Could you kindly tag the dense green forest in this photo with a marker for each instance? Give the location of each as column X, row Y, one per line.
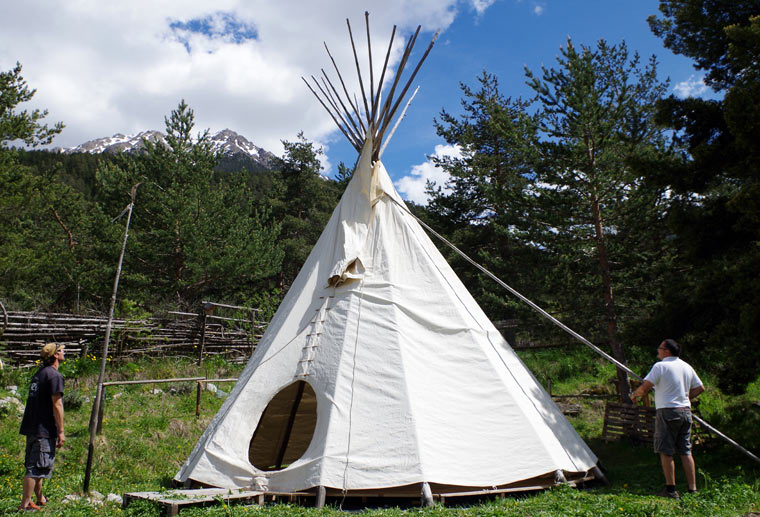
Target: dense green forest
column 630, row 214
column 199, row 231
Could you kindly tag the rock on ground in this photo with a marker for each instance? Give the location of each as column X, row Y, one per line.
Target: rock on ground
column 8, row 403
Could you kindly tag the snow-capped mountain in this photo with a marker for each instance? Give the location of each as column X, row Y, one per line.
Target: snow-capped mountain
column 231, row 144
column 117, row 143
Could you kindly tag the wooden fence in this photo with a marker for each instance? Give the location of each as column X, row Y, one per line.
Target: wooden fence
column 178, row 333
column 196, row 335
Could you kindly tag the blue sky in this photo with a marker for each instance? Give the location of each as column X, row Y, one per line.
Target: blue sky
column 120, row 67
column 508, row 37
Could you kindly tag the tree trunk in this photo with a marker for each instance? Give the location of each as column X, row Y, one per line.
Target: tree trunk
column 609, row 300
column 179, row 259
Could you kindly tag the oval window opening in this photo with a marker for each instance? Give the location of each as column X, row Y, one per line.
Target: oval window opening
column 285, row 428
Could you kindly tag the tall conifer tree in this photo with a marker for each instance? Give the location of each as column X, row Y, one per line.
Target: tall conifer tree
column 554, row 178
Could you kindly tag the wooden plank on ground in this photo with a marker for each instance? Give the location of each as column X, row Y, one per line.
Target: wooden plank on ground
column 174, row 500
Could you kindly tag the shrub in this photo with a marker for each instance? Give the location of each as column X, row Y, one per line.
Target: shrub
column 73, row 399
column 80, row 367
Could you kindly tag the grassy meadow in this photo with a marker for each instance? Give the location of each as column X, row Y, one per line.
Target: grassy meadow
column 147, row 434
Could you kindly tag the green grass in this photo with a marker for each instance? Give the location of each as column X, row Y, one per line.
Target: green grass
column 572, row 370
column 148, row 436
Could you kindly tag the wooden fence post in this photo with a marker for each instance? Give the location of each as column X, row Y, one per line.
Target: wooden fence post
column 198, row 401
column 203, row 338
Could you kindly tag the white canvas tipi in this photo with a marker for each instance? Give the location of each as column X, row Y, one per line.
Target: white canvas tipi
column 379, row 371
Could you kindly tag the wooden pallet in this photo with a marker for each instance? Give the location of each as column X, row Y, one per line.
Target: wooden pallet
column 637, row 423
column 625, row 420
column 174, row 500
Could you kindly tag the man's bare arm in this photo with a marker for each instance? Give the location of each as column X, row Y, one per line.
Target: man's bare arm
column 641, row 390
column 58, row 416
column 695, row 392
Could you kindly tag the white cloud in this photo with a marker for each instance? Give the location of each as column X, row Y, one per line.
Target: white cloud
column 693, row 87
column 412, row 187
column 108, row 67
column 538, row 10
column 480, row 6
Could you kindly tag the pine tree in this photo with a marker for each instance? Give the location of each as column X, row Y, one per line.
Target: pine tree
column 52, row 239
column 194, row 235
column 550, row 186
column 302, row 203
column 21, row 125
column 597, row 115
column 488, row 208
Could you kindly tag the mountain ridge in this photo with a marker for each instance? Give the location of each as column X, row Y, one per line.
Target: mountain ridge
column 232, row 145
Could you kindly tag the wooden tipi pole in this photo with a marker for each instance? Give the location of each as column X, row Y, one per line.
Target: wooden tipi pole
column 96, row 403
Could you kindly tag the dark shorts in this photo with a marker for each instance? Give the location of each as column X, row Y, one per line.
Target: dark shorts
column 40, row 457
column 672, row 431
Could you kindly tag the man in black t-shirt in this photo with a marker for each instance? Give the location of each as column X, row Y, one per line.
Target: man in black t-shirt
column 43, row 425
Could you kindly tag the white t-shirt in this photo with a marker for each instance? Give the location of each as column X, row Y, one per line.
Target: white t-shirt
column 672, row 379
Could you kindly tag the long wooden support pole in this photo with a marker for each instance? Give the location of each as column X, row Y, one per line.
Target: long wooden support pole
column 97, row 401
column 154, row 381
column 359, row 74
column 160, row 381
column 214, row 304
column 382, row 76
column 398, row 121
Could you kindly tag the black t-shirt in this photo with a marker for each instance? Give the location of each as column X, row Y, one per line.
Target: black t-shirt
column 38, row 415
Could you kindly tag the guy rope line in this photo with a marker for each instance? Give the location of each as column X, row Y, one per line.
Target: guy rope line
column 560, row 324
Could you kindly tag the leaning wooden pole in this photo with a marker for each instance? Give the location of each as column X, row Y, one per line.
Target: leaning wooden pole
column 97, row 402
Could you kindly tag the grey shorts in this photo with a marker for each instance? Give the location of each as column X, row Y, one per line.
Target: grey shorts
column 40, row 457
column 672, row 431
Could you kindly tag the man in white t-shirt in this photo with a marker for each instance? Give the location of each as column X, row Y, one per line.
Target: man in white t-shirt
column 675, row 383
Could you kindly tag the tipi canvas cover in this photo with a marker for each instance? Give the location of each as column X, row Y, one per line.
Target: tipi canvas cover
column 380, row 370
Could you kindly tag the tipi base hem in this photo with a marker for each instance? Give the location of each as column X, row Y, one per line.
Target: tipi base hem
column 319, row 496
column 441, row 492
